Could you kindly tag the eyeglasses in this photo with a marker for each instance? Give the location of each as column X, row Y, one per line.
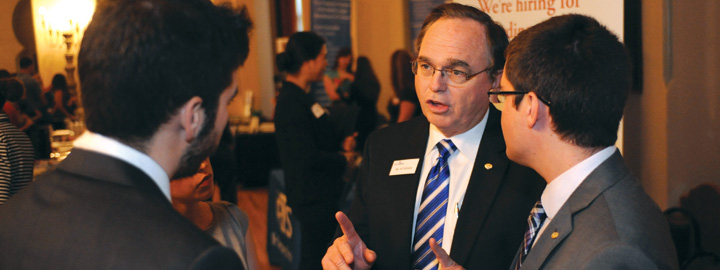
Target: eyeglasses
column 498, row 97
column 456, row 76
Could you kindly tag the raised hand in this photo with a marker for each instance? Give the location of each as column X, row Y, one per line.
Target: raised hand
column 348, row 251
column 446, row 263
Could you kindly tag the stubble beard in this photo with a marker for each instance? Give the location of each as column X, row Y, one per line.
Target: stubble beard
column 196, row 153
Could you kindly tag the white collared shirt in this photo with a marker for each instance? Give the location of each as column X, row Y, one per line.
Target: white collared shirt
column 110, row 147
column 461, row 166
column 558, row 191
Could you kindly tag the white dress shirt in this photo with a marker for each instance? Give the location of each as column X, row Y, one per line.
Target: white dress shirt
column 558, row 191
column 461, row 166
column 110, row 147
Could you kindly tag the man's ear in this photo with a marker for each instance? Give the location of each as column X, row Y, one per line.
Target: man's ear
column 532, row 112
column 192, row 117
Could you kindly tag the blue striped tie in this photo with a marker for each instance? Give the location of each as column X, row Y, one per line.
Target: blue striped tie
column 431, row 214
column 535, row 221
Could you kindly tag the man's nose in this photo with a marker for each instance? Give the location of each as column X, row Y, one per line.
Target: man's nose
column 437, row 81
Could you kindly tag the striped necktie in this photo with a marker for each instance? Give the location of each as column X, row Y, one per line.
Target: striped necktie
column 535, row 221
column 431, row 214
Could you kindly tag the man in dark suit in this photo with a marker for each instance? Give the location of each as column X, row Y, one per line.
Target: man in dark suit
column 563, row 91
column 149, row 120
column 460, row 58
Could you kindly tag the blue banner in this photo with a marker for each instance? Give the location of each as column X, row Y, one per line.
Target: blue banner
column 283, row 236
column 331, row 20
column 418, row 11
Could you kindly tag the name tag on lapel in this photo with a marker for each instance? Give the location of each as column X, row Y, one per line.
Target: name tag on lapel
column 317, row 110
column 405, row 166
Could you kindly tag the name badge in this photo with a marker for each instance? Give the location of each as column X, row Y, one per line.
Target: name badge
column 405, row 166
column 317, row 110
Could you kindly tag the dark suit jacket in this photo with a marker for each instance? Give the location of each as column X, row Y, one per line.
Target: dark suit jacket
column 309, row 150
column 607, row 223
column 98, row 212
column 493, row 217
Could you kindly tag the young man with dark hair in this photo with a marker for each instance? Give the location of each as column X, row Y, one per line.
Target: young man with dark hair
column 563, row 92
column 157, row 77
column 444, row 176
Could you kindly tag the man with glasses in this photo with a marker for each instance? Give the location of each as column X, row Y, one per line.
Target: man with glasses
column 443, row 178
column 562, row 93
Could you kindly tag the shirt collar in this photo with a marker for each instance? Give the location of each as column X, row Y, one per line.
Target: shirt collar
column 107, row 146
column 559, row 189
column 467, row 142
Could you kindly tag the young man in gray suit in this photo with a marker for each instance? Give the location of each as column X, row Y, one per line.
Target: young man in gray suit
column 157, row 76
column 562, row 95
column 563, row 91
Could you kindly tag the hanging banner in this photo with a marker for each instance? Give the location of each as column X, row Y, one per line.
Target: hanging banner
column 283, row 236
column 518, row 15
column 331, row 20
column 418, row 10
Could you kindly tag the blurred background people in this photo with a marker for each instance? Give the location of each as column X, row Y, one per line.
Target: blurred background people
column 34, row 105
column 60, row 103
column 337, row 80
column 311, row 148
column 16, row 152
column 223, row 220
column 365, row 91
column 405, row 104
column 12, row 107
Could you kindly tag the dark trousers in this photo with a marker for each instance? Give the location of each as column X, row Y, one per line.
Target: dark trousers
column 318, row 230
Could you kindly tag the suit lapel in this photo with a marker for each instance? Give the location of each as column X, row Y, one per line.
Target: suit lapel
column 404, row 188
column 104, row 168
column 483, row 186
column 607, row 174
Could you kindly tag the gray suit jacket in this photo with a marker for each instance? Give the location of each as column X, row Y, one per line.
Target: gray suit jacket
column 98, row 212
column 607, row 223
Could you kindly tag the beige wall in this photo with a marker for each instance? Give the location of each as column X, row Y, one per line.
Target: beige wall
column 694, row 97
column 256, row 75
column 9, row 45
column 380, row 29
column 672, row 131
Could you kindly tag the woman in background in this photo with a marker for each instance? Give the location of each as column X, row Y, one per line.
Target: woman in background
column 338, row 79
column 365, row 91
column 59, row 102
column 404, row 105
column 224, row 221
column 311, row 149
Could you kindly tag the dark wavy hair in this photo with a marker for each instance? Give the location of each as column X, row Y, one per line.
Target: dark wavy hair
column 401, row 72
column 581, row 68
column 301, row 47
column 141, row 60
column 344, row 51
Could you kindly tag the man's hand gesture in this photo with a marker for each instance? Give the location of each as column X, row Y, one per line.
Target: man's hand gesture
column 348, row 251
column 446, row 263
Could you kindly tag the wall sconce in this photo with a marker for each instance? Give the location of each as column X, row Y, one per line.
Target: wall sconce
column 63, row 24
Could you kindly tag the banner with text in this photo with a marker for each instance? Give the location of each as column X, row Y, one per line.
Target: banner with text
column 518, row 15
column 331, row 20
column 417, row 11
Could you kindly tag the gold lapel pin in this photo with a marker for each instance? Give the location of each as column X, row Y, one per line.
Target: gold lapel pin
column 554, row 235
column 488, row 166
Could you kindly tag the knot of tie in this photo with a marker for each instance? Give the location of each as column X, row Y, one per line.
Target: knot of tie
column 446, row 148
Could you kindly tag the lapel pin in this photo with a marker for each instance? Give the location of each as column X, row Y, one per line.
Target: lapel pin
column 488, row 166
column 554, row 235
